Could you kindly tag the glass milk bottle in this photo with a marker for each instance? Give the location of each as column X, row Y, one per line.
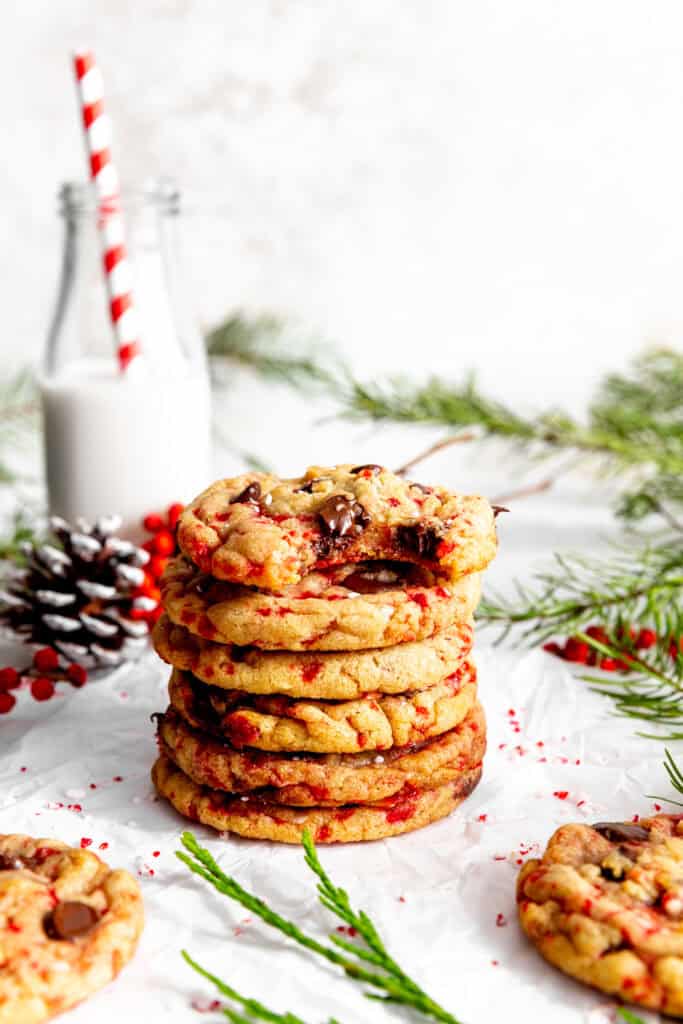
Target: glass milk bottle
column 130, row 442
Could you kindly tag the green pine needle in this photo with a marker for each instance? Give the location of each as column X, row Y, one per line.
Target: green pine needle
column 629, row 1016
column 389, row 982
column 639, row 585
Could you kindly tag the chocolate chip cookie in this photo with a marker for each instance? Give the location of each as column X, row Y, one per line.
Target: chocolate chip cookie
column 321, row 675
column 310, row 779
column 256, row 818
column 68, row 925
column 605, row 905
column 372, row 722
column 348, row 607
column 263, row 531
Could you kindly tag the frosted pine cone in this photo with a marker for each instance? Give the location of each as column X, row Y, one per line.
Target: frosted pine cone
column 77, row 593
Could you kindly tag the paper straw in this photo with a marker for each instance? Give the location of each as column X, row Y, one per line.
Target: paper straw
column 117, row 273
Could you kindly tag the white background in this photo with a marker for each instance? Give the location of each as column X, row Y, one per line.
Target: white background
column 430, row 186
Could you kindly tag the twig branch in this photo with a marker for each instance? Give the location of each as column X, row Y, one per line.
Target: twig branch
column 438, row 446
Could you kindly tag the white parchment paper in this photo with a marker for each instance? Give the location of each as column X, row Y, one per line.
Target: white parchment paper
column 78, row 768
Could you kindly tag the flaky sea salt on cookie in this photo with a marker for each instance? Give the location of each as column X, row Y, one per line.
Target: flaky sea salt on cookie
column 68, row 924
column 260, row 530
column 605, row 905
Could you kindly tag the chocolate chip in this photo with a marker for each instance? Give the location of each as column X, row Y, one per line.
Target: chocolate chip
column 251, row 493
column 423, row 488
column 371, row 467
column 419, row 539
column 610, row 874
column 497, row 509
column 11, row 863
column 69, row 920
column 621, row 832
column 308, row 488
column 341, row 516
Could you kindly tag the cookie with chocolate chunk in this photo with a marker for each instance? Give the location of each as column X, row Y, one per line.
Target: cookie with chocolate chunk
column 348, row 607
column 312, row 779
column 263, row 531
column 257, row 818
column 319, row 675
column 372, row 722
column 68, row 924
column 605, row 905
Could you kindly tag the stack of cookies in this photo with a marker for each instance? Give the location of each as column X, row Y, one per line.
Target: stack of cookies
column 320, row 633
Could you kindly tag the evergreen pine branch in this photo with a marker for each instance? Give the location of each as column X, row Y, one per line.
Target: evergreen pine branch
column 673, row 771
column 18, row 413
column 628, row 1016
column 393, row 985
column 258, row 344
column 10, row 545
column 255, row 1009
column 638, row 586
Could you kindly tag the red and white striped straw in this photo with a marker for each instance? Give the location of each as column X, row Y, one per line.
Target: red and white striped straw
column 97, row 130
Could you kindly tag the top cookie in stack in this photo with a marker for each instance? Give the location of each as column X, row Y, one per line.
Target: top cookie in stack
column 370, row 583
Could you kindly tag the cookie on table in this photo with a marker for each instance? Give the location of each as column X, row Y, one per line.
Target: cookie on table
column 372, row 722
column 320, row 675
column 68, row 924
column 349, row 607
column 256, row 818
column 321, row 779
column 261, row 530
column 605, row 905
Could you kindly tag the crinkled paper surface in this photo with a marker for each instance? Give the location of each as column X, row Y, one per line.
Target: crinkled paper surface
column 443, row 898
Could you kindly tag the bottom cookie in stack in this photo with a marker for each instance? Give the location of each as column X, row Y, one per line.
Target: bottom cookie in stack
column 336, row 797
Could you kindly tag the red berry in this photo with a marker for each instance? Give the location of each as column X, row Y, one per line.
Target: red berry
column 148, row 584
column 164, row 543
column 9, row 679
column 157, row 566
column 7, row 702
column 76, row 675
column 46, row 659
column 553, row 648
column 148, row 546
column 174, row 513
column 153, row 522
column 608, row 664
column 137, row 614
column 646, row 638
column 154, row 614
column 42, row 688
column 576, row 650
column 598, row 633
column 676, row 647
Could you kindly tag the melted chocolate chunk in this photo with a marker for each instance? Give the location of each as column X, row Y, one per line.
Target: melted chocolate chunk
column 343, row 517
column 497, row 509
column 370, row 467
column 69, row 920
column 251, row 493
column 11, row 863
column 362, row 583
column 621, row 832
column 420, row 539
column 422, row 487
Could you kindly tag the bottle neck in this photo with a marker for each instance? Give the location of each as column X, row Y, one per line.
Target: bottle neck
column 81, row 329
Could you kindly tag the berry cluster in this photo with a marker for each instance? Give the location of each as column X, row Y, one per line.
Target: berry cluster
column 160, row 546
column 42, row 675
column 628, row 640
